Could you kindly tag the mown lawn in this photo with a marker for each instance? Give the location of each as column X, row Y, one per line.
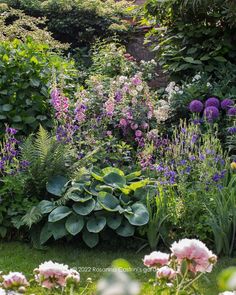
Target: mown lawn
column 22, row 257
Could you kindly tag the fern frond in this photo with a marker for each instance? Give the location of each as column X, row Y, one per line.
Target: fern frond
column 31, row 217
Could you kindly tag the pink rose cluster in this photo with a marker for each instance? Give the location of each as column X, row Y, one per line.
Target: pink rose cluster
column 198, row 257
column 52, row 275
column 15, row 281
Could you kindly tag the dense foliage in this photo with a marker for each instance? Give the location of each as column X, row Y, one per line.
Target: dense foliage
column 192, row 36
column 26, row 71
column 78, row 22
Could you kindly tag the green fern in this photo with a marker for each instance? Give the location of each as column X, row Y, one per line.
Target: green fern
column 47, row 157
column 31, row 217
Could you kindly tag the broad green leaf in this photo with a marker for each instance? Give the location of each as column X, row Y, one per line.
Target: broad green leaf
column 56, row 184
column 133, row 175
column 74, row 224
column 108, row 201
column 136, row 185
column 139, row 215
column 46, row 233
column 7, row 107
column 125, row 229
column 46, row 206
column 114, row 221
column 59, row 213
column 96, row 224
column 58, row 230
column 90, row 239
column 109, row 170
column 84, row 208
column 78, row 197
column 115, row 180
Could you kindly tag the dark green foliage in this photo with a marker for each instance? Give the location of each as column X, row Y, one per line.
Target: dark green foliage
column 47, row 157
column 108, row 200
column 78, row 22
column 193, row 35
column 26, row 71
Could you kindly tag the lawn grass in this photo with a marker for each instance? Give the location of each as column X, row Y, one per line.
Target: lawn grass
column 16, row 256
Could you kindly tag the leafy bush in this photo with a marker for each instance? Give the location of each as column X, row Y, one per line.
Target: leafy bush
column 16, row 24
column 89, row 204
column 193, row 38
column 26, row 71
column 77, row 21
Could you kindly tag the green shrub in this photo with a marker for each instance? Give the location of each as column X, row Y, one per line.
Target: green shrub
column 16, row 24
column 193, row 36
column 26, row 71
column 77, row 21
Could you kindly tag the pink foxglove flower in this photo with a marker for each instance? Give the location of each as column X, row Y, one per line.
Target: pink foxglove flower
column 156, row 259
column 198, row 256
column 166, row 272
column 14, row 280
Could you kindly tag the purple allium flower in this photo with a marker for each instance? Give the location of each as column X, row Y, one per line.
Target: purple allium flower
column 226, row 104
column 232, row 112
column 196, row 106
column 138, row 133
column 211, row 113
column 232, row 130
column 212, row 102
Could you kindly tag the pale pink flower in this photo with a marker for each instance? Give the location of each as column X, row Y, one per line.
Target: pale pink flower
column 156, row 259
column 109, row 133
column 134, row 126
column 198, row 256
column 109, row 107
column 166, row 272
column 51, row 274
column 136, row 80
column 138, row 133
column 123, row 122
column 73, row 278
column 14, row 280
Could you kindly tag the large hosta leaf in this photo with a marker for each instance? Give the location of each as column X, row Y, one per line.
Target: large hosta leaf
column 74, row 224
column 96, row 224
column 59, row 213
column 58, row 229
column 139, row 214
column 115, row 180
column 56, row 185
column 125, row 229
column 109, row 170
column 108, row 201
column 133, row 175
column 114, row 221
column 46, row 233
column 90, row 239
column 84, row 208
column 46, row 206
column 79, row 198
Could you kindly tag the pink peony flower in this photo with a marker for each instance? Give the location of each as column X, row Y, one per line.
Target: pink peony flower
column 14, row 280
column 73, row 278
column 198, row 256
column 52, row 275
column 156, row 259
column 166, row 272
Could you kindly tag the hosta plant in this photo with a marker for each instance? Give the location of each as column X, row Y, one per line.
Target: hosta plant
column 98, row 201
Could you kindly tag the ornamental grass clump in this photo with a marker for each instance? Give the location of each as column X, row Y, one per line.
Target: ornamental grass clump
column 188, row 261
